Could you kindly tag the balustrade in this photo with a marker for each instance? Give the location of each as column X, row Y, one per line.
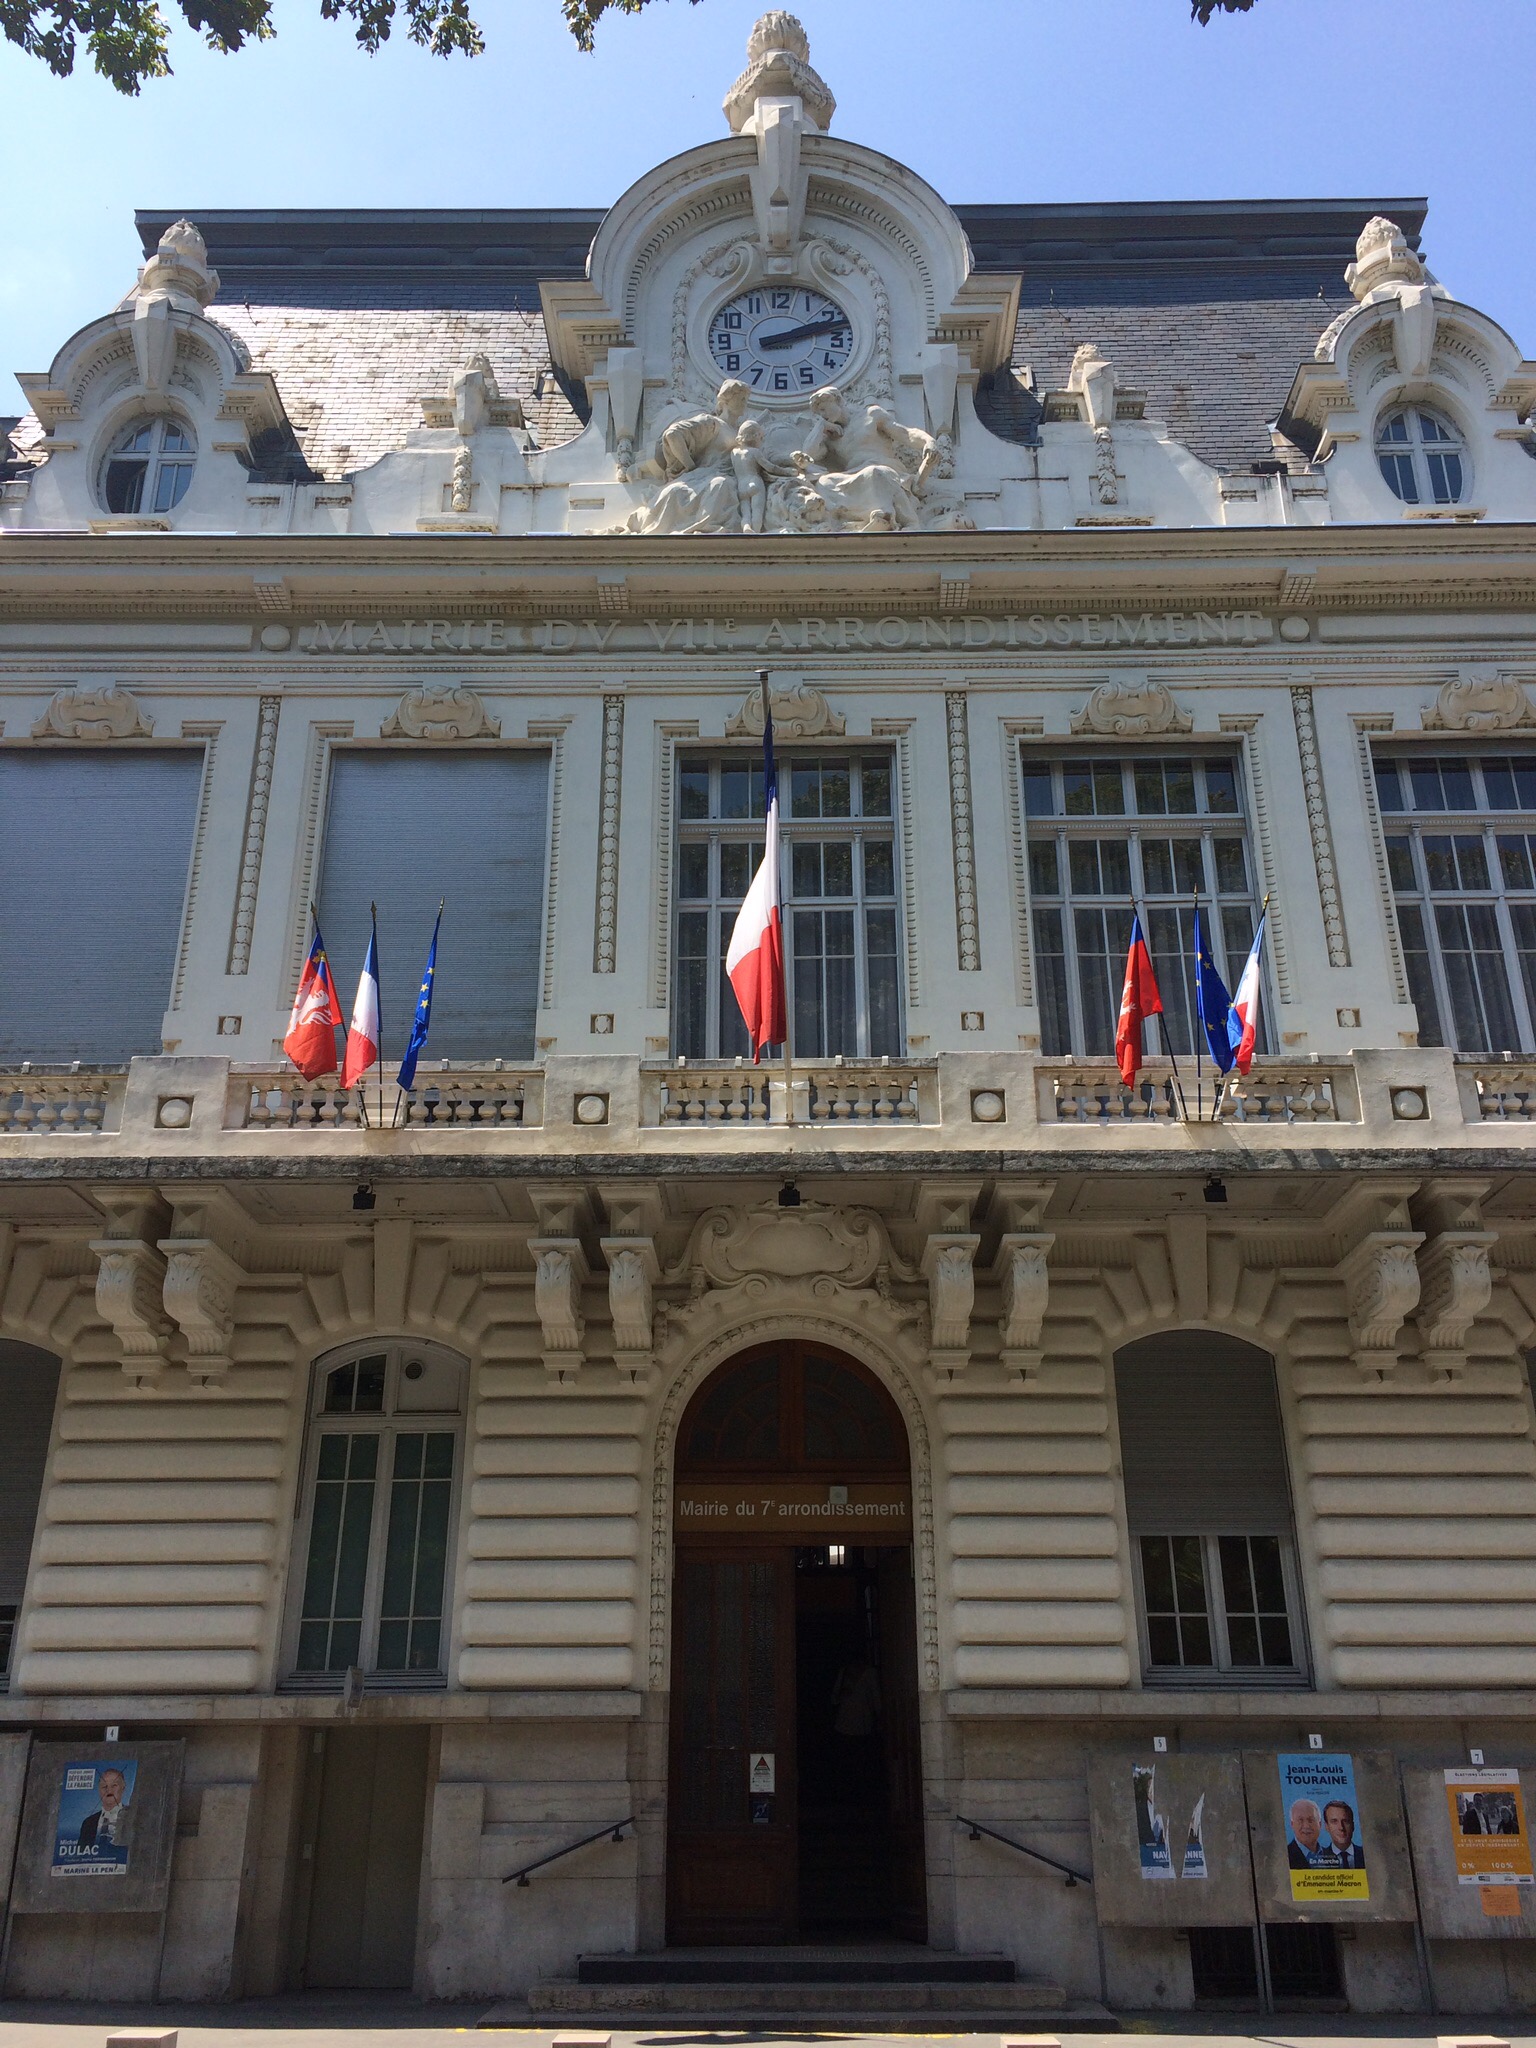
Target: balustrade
column 1278, row 1092
column 479, row 1099
column 43, row 1101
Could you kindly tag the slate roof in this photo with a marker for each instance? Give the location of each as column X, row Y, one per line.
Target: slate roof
column 1208, row 306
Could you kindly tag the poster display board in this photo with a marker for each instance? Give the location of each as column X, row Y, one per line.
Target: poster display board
column 1329, row 1842
column 1170, row 1841
column 98, row 1827
column 1472, row 1851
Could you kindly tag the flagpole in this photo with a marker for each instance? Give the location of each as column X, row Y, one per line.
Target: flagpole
column 1162, row 1030
column 788, row 1052
column 373, row 913
column 1199, row 1019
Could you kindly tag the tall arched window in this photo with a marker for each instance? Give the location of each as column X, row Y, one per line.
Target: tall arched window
column 1208, row 1502
column 149, row 467
column 381, row 1482
column 1421, row 456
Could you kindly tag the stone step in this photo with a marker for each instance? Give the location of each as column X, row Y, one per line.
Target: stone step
column 885, row 1962
column 565, row 1997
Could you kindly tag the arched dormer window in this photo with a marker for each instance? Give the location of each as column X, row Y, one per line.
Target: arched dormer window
column 1421, row 456
column 149, row 467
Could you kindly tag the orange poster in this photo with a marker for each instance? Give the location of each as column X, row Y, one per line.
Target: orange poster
column 1489, row 1836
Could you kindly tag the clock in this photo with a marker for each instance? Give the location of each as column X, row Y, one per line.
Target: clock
column 781, row 339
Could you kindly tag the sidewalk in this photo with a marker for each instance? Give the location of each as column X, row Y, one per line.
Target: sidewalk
column 320, row 2020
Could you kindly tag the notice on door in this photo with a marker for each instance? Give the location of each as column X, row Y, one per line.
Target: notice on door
column 761, row 1771
column 876, row 1514
column 1489, row 1837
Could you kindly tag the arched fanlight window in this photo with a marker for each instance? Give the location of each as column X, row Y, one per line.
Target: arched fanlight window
column 1421, row 456
column 149, row 467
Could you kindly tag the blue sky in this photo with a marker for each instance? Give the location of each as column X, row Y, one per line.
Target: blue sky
column 989, row 99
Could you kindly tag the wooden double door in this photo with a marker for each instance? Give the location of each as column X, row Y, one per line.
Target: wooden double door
column 795, row 1779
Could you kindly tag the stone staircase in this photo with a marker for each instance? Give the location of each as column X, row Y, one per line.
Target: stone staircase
column 870, row 1987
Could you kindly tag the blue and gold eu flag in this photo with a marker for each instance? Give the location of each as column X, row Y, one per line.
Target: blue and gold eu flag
column 1212, row 999
column 406, row 1078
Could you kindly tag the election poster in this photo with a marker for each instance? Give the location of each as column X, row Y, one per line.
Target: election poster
column 93, row 1836
column 1325, row 1847
column 1489, row 1837
column 102, row 1811
column 1161, row 1854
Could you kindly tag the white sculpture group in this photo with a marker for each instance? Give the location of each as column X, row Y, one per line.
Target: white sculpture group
column 859, row 472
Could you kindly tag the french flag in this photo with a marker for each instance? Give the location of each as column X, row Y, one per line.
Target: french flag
column 1243, row 1018
column 754, row 961
column 1139, row 1000
column 363, row 1032
column 311, row 1039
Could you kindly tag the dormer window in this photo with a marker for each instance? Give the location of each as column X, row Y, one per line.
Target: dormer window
column 1421, row 456
column 149, row 467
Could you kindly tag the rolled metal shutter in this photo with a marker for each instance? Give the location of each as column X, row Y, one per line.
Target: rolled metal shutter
column 1201, row 1443
column 94, row 849
column 405, row 828
column 29, row 1386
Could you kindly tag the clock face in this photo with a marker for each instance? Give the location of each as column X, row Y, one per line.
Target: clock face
column 781, row 339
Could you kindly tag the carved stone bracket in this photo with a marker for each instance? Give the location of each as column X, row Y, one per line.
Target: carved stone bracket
column 199, row 1296
column 1020, row 1272
column 1381, row 1281
column 943, row 1214
column 560, row 1269
column 633, row 1270
column 1132, row 705
column 440, row 711
column 110, row 714
column 130, row 1297
column 948, row 1262
column 1455, row 1286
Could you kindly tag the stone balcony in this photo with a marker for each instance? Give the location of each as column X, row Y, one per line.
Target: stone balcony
column 163, row 1114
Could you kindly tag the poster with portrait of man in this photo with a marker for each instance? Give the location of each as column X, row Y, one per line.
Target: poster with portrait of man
column 98, row 1826
column 1324, row 1851
column 1329, row 1838
column 94, row 1833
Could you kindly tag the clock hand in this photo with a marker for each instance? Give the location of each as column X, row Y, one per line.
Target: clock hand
column 793, row 334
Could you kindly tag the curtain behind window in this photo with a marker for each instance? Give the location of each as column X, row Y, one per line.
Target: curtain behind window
column 403, row 829
column 94, row 851
column 1200, row 1437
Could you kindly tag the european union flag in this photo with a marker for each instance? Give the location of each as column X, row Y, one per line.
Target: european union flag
column 406, row 1078
column 1212, row 999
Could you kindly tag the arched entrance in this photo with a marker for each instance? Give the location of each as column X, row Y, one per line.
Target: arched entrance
column 795, row 1786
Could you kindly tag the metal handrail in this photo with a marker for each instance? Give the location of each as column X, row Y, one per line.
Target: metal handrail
column 979, row 1828
column 614, row 1831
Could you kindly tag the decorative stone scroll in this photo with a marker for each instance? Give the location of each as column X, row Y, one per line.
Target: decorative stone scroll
column 109, row 714
column 440, row 711
column 1132, row 706
column 798, row 714
column 1480, row 700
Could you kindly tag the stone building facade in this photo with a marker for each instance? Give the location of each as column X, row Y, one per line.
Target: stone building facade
column 458, row 1474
